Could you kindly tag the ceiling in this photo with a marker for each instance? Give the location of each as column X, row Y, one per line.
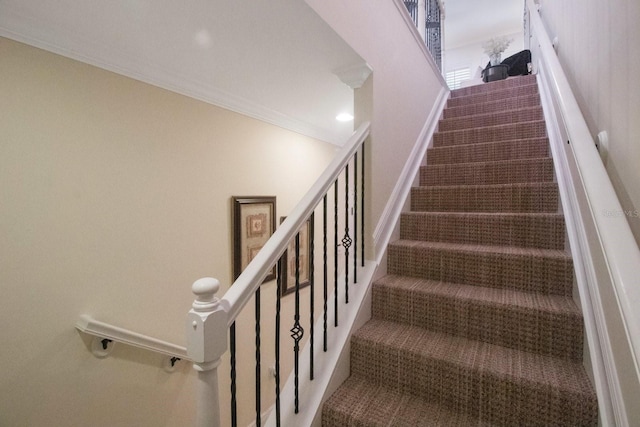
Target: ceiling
column 470, row 21
column 274, row 60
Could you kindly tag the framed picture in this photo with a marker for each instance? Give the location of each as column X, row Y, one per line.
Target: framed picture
column 288, row 260
column 254, row 221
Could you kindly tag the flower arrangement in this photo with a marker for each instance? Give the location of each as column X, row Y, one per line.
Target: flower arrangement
column 494, row 47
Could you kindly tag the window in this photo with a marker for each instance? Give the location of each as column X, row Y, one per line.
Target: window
column 455, row 77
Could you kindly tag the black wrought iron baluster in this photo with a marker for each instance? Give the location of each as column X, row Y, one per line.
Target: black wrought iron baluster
column 257, row 312
column 232, row 351
column 362, row 208
column 335, row 252
column 297, row 331
column 346, row 240
column 325, row 280
column 312, row 290
column 355, row 217
column 277, row 349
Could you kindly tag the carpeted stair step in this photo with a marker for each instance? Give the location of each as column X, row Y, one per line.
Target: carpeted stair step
column 505, row 132
column 496, row 95
column 498, row 385
column 533, row 322
column 530, row 230
column 480, row 173
column 493, row 106
column 494, row 86
column 360, row 402
column 520, row 197
column 491, row 119
column 547, row 271
column 491, row 151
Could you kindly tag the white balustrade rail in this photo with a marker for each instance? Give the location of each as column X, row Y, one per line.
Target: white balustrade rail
column 609, row 254
column 210, row 318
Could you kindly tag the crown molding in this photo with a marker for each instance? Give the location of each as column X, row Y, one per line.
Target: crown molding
column 147, row 72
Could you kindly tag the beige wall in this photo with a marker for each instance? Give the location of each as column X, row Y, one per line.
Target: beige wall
column 598, row 48
column 115, row 197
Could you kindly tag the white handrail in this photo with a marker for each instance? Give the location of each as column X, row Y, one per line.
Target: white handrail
column 620, row 250
column 245, row 286
column 90, row 326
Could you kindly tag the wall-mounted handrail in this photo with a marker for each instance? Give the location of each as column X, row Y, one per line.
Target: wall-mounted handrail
column 620, row 248
column 613, row 233
column 89, row 325
column 245, row 286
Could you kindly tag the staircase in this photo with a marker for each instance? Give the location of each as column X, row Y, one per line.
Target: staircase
column 475, row 324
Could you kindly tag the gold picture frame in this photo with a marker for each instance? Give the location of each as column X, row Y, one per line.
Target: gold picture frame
column 254, row 221
column 288, row 260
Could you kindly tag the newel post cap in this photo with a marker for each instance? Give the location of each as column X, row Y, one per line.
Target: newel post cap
column 205, row 290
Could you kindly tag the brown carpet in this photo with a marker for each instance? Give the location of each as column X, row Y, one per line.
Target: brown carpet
column 475, row 324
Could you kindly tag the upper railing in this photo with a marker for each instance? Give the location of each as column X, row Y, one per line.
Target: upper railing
column 211, row 322
column 428, row 15
column 609, row 237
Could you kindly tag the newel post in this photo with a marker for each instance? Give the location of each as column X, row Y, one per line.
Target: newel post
column 206, row 343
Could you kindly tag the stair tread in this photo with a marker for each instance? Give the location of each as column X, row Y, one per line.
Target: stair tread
column 524, row 320
column 497, row 186
column 491, row 249
column 505, row 113
column 492, row 95
column 490, row 106
column 525, row 148
column 488, row 172
column 360, row 401
column 495, row 133
column 488, row 214
column 496, row 296
column 504, row 125
column 489, row 162
column 508, row 364
column 508, row 83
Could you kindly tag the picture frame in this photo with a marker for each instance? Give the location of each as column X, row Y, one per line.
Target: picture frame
column 288, row 260
column 254, row 221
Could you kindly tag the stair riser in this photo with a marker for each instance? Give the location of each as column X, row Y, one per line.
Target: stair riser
column 492, row 119
column 494, row 86
column 540, row 197
column 517, row 171
column 502, row 401
column 535, row 331
column 546, row 232
column 526, row 130
column 492, row 107
column 498, row 151
column 497, row 95
column 547, row 275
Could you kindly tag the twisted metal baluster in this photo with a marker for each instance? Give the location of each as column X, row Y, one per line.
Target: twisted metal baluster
column 297, row 331
column 346, row 240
